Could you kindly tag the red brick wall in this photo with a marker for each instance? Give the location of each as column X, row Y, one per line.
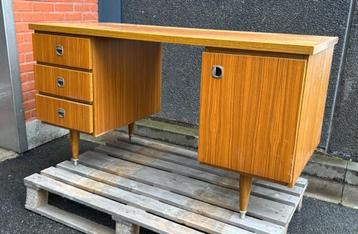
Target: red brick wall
column 38, row 11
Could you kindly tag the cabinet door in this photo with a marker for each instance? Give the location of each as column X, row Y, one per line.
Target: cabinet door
column 249, row 115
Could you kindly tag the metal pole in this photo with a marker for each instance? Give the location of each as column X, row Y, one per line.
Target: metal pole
column 12, row 122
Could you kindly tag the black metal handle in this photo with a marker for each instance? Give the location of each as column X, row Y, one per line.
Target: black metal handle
column 217, row 72
column 59, row 50
column 61, row 113
column 60, row 82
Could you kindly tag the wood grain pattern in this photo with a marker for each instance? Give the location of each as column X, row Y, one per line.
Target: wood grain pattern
column 78, row 85
column 127, row 82
column 274, row 42
column 312, row 109
column 77, row 116
column 248, row 118
column 76, row 51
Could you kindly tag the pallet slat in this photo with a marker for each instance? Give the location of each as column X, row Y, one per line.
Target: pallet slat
column 171, row 157
column 227, row 198
column 148, row 204
column 155, row 145
column 72, row 220
column 197, row 174
column 191, row 163
column 127, row 213
column 165, row 151
column 224, row 215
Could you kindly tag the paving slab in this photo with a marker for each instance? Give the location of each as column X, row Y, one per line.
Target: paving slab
column 7, row 154
column 326, row 167
column 350, row 196
column 329, row 191
column 352, row 173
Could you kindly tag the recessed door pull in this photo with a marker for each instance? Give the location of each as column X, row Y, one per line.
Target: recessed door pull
column 61, row 113
column 60, row 82
column 217, row 72
column 59, row 50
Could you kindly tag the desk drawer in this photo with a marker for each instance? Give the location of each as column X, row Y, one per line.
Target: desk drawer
column 68, row 114
column 64, row 82
column 62, row 50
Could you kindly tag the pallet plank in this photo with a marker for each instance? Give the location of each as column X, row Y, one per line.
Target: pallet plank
column 163, row 149
column 171, row 157
column 127, row 213
column 148, row 204
column 191, row 163
column 72, row 220
column 227, row 198
column 154, row 144
column 224, row 215
column 295, row 191
column 197, row 174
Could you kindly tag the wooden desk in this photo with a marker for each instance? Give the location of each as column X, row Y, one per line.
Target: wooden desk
column 262, row 95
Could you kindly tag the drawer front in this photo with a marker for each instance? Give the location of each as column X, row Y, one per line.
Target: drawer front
column 62, row 50
column 64, row 82
column 67, row 114
column 249, row 107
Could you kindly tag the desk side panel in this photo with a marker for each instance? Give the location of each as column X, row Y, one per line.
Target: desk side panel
column 127, row 82
column 312, row 108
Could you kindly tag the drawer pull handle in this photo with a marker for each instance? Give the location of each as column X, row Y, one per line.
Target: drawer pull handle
column 61, row 113
column 217, row 72
column 59, row 50
column 60, row 82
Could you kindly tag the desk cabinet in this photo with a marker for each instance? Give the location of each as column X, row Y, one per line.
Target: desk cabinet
column 93, row 85
column 263, row 115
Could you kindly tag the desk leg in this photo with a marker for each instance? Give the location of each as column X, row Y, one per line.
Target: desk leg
column 130, row 130
column 75, row 145
column 245, row 189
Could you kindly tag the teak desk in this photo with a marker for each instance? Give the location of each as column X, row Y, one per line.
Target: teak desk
column 262, row 95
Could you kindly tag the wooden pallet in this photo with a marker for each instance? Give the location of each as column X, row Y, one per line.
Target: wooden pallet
column 162, row 188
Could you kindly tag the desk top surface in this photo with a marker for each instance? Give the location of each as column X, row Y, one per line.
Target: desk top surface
column 271, row 42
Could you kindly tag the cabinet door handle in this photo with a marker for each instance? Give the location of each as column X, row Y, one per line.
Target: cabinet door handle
column 217, row 72
column 60, row 81
column 59, row 50
column 61, row 113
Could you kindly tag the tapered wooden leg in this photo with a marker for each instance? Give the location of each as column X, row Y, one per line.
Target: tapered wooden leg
column 75, row 145
column 245, row 189
column 130, row 130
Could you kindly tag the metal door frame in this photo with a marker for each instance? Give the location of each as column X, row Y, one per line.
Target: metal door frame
column 12, row 121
